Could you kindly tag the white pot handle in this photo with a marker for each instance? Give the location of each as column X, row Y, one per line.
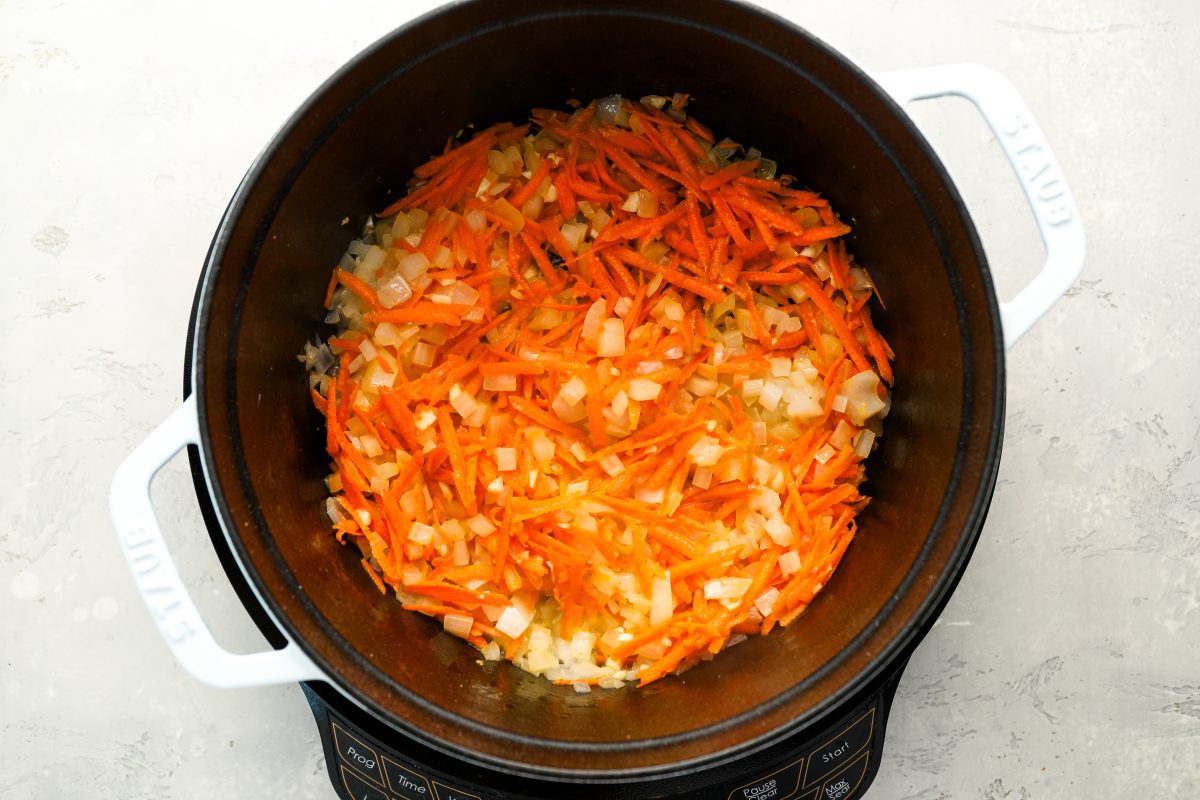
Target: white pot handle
column 159, row 583
column 1037, row 169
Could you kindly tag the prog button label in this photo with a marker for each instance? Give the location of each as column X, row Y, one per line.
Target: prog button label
column 354, row 752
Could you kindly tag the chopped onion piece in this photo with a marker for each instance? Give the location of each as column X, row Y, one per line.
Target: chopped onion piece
column 701, row 387
column 825, row 453
column 644, row 389
column 393, row 291
column 506, row 459
column 543, row 449
column 771, row 394
column 652, row 496
column 574, row 233
column 612, row 464
column 620, row 402
column 662, row 599
column 412, row 265
column 622, row 306
column 423, row 353
column 789, row 563
column 515, row 619
column 480, row 525
column 752, row 388
column 780, row 532
column 759, row 430
column 862, row 396
column 726, row 588
column 781, row 367
column 706, row 452
column 842, row 434
column 766, row 601
column 420, row 533
column 500, row 383
column 568, row 412
column 462, row 401
column 862, row 447
column 612, row 339
column 573, row 390
column 507, row 212
column 595, row 315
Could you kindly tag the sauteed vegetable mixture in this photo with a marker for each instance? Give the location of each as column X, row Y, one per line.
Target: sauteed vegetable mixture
column 601, row 393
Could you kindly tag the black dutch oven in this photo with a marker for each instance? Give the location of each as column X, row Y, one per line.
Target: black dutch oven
column 259, row 460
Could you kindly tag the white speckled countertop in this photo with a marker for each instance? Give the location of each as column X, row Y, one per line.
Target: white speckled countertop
column 1067, row 663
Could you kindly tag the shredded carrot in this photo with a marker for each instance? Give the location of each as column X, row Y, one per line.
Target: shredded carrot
column 617, row 395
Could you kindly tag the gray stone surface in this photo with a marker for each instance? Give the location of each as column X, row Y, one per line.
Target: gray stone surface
column 1066, row 665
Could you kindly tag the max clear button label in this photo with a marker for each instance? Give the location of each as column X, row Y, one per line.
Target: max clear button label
column 846, row 783
column 779, row 785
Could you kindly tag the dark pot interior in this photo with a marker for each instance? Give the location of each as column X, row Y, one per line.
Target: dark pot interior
column 352, row 147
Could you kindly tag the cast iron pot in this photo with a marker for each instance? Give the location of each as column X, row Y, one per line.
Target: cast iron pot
column 348, row 152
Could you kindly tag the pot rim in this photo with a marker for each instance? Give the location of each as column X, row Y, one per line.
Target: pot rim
column 886, row 661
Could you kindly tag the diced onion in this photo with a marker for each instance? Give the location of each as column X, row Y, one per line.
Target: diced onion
column 862, row 447
column 513, row 622
column 462, row 401
column 507, row 212
column 644, row 389
column 662, row 599
column 506, row 459
column 567, row 412
column 573, row 390
column 612, row 339
column 726, row 588
column 574, row 233
column 652, row 496
column 752, row 388
column 543, row 449
column 780, row 532
column 706, row 452
column 393, row 291
column 420, row 533
column 842, row 434
column 592, row 320
column 423, row 353
column 500, row 383
column 789, row 563
column 759, row 430
column 766, row 601
column 701, row 386
column 771, row 394
column 612, row 464
column 412, row 265
column 862, row 396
